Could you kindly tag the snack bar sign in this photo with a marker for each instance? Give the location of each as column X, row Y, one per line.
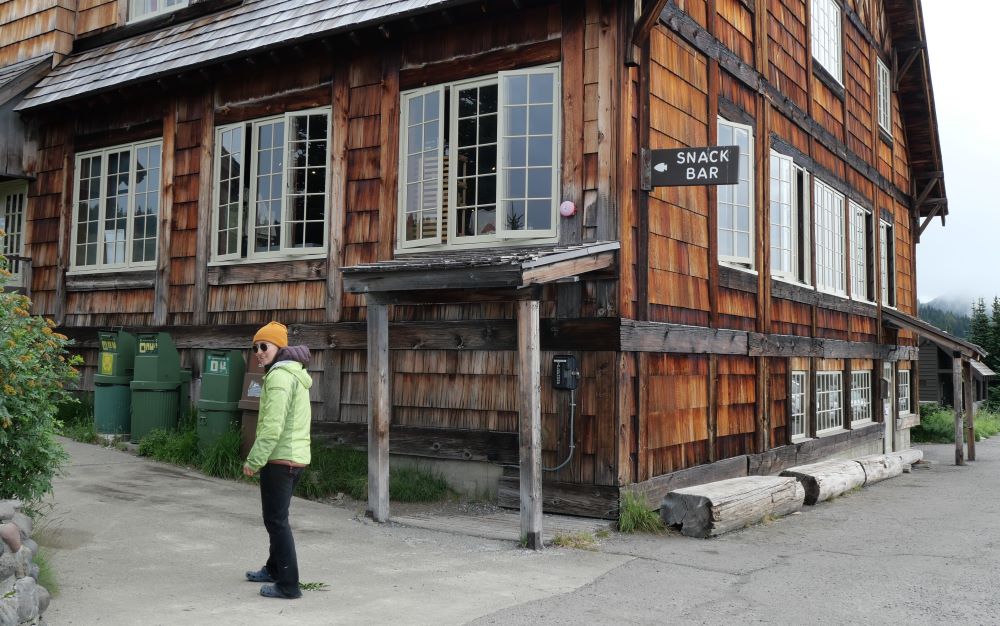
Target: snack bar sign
column 714, row 165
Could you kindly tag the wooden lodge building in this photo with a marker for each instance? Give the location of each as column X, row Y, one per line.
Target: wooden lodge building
column 462, row 186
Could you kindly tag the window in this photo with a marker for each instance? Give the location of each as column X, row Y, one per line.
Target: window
column 903, row 380
column 861, row 237
column 145, row 9
column 887, row 382
column 884, row 98
column 798, row 402
column 735, row 202
column 13, row 198
column 789, row 219
column 829, row 239
column 826, row 36
column 117, row 207
column 861, row 397
column 480, row 161
column 829, row 409
column 887, row 262
column 270, row 188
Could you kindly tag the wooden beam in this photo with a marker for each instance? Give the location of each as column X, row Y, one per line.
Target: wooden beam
column 956, row 382
column 379, row 410
column 910, row 60
column 278, row 272
column 65, row 223
column 389, row 153
column 650, row 15
column 662, row 337
column 927, row 220
column 205, row 184
column 161, row 298
column 338, row 195
column 529, row 422
column 970, row 413
column 436, row 443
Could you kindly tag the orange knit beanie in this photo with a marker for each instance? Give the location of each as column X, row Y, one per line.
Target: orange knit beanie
column 274, row 332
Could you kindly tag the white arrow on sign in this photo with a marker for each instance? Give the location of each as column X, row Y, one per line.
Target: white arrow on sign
column 660, row 167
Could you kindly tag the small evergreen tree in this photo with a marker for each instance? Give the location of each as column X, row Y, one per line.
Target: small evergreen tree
column 993, row 346
column 979, row 326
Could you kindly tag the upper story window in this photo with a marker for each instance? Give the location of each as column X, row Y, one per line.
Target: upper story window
column 735, row 205
column 884, row 98
column 826, row 45
column 116, row 207
column 270, row 189
column 887, row 262
column 480, row 161
column 829, row 401
column 861, row 240
column 13, row 199
column 789, row 219
column 145, row 9
column 829, row 238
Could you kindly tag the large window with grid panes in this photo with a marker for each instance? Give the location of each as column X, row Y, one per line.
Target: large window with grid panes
column 735, row 203
column 13, row 201
column 861, row 397
column 270, row 192
column 826, row 42
column 116, row 208
column 829, row 401
column 798, row 405
column 479, row 162
column 884, row 98
column 903, row 395
column 887, row 263
column 789, row 219
column 829, row 235
column 862, row 285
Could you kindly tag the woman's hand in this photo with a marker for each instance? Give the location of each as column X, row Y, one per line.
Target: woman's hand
column 247, row 471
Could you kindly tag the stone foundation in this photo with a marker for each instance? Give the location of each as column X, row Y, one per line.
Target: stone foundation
column 22, row 599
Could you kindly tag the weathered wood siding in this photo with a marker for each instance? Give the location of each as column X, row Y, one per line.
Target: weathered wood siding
column 32, row 28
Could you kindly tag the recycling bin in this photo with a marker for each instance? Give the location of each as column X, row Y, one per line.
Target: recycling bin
column 159, row 387
column 249, row 404
column 221, row 388
column 112, row 395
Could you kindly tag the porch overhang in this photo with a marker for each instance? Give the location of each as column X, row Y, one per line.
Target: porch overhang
column 949, row 343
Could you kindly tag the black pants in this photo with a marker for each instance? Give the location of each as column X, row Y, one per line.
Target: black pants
column 277, row 482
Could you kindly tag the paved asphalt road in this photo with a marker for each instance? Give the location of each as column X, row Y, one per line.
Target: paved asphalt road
column 137, row 542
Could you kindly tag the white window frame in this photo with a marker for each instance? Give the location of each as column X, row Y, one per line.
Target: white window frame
column 798, row 418
column 137, row 11
column 861, row 397
column 887, row 263
column 829, row 402
column 827, row 48
column 248, row 197
column 13, row 213
column 861, row 238
column 447, row 209
column 792, row 202
column 884, row 98
column 903, row 395
column 128, row 265
column 829, row 236
column 731, row 192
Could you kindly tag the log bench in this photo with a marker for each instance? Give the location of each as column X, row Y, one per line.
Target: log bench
column 716, row 508
column 827, row 479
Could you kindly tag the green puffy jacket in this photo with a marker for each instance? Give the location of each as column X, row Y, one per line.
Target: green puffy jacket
column 285, row 417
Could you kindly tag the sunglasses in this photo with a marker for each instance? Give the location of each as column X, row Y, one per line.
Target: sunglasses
column 260, row 347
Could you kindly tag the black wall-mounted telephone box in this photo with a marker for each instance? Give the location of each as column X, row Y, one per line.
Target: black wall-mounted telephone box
column 564, row 372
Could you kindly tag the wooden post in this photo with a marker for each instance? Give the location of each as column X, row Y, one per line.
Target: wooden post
column 206, row 175
column 161, row 287
column 530, row 422
column 956, row 383
column 379, row 409
column 970, row 412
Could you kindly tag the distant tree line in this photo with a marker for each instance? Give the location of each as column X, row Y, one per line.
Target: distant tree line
column 952, row 323
column 984, row 331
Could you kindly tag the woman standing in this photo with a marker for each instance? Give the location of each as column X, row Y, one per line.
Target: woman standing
column 280, row 452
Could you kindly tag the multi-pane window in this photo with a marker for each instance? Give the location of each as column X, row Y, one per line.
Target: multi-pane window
column 826, row 46
column 887, row 385
column 903, row 382
column 13, row 198
column 829, row 401
column 887, row 262
column 789, row 219
column 861, row 397
column 829, row 238
column 145, row 9
column 117, row 207
column 735, row 202
column 798, row 403
column 861, row 237
column 271, row 183
column 480, row 160
column 884, row 98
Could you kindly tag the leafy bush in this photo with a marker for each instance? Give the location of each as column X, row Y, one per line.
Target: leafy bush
column 177, row 447
column 76, row 419
column 35, row 370
column 222, row 458
column 635, row 516
column 937, row 425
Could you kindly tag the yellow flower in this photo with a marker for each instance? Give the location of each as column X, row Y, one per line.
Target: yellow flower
column 10, row 391
column 47, row 330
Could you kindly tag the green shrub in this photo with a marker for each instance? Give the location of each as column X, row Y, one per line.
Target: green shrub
column 635, row 516
column 35, row 370
column 937, row 425
column 177, row 447
column 76, row 418
column 408, row 484
column 222, row 458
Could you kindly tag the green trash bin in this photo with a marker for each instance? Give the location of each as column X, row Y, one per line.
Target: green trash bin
column 112, row 396
column 159, row 387
column 221, row 387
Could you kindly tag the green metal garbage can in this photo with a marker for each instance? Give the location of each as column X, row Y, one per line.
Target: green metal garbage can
column 221, row 387
column 159, row 387
column 112, row 396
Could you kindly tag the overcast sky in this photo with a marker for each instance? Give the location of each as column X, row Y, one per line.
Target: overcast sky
column 963, row 258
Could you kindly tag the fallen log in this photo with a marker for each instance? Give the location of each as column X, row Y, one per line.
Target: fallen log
column 827, row 479
column 879, row 467
column 908, row 457
column 716, row 508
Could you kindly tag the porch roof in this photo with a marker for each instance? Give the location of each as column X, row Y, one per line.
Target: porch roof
column 982, row 369
column 950, row 343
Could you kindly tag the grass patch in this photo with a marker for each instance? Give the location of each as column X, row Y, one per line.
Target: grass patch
column 635, row 516
column 580, row 541
column 46, row 575
column 222, row 459
column 408, row 484
column 76, row 419
column 937, row 425
column 314, row 587
column 177, row 447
